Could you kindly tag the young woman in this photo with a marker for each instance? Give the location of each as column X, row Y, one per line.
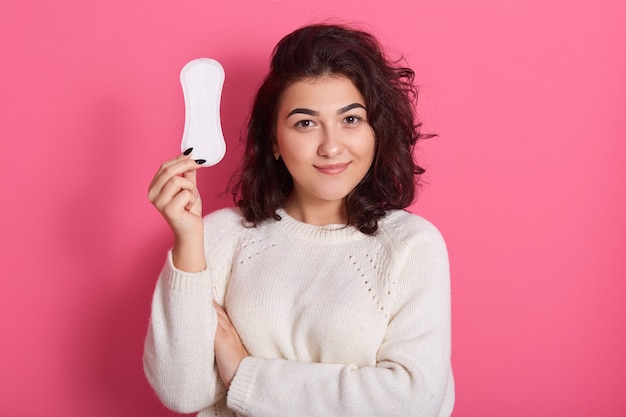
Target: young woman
column 318, row 295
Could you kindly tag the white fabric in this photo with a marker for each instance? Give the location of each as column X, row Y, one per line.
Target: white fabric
column 337, row 323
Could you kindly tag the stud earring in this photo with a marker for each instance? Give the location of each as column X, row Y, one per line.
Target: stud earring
column 276, row 156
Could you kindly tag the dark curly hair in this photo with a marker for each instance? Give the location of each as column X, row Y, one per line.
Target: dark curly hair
column 262, row 184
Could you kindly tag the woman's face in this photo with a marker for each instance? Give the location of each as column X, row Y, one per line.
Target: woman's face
column 324, row 138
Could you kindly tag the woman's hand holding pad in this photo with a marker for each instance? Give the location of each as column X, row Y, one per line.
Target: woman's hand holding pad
column 174, row 192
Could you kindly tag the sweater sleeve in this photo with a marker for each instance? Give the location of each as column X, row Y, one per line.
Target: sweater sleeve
column 412, row 376
column 179, row 359
column 178, row 352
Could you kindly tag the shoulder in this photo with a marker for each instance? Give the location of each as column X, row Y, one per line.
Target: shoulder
column 226, row 216
column 419, row 252
column 223, row 224
column 402, row 227
column 413, row 242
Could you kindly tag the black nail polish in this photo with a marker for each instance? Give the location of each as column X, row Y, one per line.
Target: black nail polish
column 188, row 151
column 200, row 161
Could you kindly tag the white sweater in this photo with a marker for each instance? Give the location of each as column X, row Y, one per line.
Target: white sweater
column 337, row 323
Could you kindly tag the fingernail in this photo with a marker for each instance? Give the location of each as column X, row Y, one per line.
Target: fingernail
column 200, row 161
column 188, row 151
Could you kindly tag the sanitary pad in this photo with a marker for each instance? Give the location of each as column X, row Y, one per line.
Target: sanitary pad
column 202, row 80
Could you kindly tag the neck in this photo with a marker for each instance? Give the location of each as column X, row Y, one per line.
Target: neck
column 319, row 213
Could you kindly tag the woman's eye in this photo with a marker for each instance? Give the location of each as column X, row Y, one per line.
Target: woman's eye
column 304, row 123
column 351, row 120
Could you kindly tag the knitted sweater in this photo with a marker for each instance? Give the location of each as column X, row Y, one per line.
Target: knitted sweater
column 336, row 322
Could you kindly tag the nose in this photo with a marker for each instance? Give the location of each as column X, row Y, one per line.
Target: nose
column 331, row 144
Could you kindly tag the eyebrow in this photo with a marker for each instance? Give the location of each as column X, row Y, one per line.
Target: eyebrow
column 350, row 107
column 310, row 112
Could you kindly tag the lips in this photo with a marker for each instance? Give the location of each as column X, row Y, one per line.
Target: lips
column 332, row 169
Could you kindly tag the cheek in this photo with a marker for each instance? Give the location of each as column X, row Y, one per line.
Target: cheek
column 369, row 148
column 295, row 150
column 283, row 143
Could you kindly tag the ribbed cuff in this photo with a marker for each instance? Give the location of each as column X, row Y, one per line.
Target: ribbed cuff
column 237, row 398
column 188, row 282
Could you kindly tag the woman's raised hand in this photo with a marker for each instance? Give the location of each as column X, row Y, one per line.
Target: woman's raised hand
column 173, row 191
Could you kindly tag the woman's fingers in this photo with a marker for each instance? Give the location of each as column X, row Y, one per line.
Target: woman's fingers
column 229, row 336
column 166, row 165
column 178, row 166
column 229, row 350
column 174, row 193
column 191, row 177
column 180, row 205
column 177, row 198
column 171, row 189
column 222, row 318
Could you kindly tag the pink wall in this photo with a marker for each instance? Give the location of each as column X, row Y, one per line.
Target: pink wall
column 526, row 182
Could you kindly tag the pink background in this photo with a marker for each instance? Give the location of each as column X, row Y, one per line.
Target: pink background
column 526, row 181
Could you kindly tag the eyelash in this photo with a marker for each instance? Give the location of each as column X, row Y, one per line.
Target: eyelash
column 354, row 120
column 300, row 123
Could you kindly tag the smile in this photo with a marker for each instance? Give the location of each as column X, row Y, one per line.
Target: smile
column 332, row 169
